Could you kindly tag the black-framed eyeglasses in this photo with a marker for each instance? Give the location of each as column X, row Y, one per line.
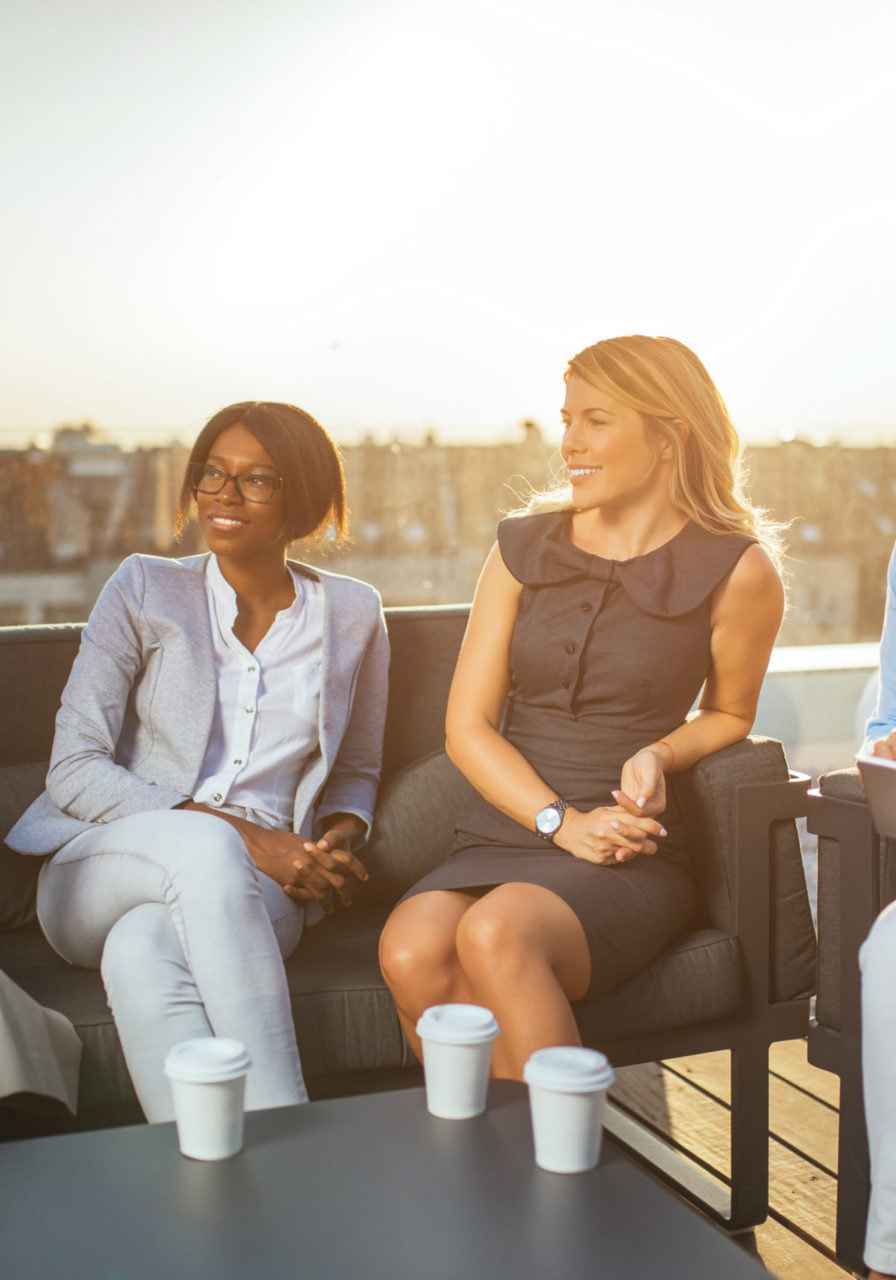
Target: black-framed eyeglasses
column 254, row 486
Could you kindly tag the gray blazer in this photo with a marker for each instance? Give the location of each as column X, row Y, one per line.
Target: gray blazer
column 136, row 714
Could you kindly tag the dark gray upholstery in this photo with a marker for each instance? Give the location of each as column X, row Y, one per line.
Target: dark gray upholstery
column 701, row 993
column 34, row 666
column 19, row 785
column 840, row 784
column 424, row 645
column 708, row 793
column 414, row 828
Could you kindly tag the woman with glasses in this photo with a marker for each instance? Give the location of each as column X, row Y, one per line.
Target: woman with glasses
column 216, row 759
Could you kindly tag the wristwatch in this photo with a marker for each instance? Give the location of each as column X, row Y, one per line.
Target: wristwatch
column 548, row 819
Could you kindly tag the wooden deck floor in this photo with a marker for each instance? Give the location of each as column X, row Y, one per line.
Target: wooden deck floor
column 686, row 1101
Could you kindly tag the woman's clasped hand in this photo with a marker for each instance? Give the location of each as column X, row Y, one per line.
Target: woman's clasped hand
column 618, row 833
column 309, row 871
column 609, row 834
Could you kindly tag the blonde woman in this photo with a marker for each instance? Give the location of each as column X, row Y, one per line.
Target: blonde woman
column 599, row 615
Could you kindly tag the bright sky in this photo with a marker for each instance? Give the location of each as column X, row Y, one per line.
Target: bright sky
column 410, row 213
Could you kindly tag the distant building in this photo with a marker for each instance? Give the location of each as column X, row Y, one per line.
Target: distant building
column 424, row 515
column 70, row 514
column 842, row 503
column 423, row 519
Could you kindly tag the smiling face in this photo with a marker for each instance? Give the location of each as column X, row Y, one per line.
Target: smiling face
column 233, row 528
column 611, row 459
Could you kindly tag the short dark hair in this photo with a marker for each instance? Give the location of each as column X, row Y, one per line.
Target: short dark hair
column 304, row 454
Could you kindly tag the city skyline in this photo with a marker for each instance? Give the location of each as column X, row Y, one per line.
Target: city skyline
column 423, row 520
column 147, row 437
column 408, row 214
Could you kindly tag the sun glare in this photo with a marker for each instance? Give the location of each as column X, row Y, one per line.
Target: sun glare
column 423, row 209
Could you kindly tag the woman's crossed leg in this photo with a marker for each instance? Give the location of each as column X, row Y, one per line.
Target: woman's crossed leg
column 518, row 949
column 190, row 938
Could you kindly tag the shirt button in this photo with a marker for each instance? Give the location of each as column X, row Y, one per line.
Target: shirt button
column 570, row 648
column 249, row 711
column 250, row 668
column 217, row 797
column 237, row 762
column 586, row 607
column 565, row 684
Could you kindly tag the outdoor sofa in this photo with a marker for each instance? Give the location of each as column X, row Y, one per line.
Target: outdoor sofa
column 740, row 978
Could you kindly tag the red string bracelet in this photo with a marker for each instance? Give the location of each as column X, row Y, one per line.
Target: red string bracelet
column 662, row 743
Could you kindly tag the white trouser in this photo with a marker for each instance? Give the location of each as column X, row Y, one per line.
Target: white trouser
column 877, row 960
column 190, row 938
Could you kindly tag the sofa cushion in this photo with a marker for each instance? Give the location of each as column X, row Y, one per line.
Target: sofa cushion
column 78, row 993
column 344, row 1015
column 345, row 1019
column 19, row 785
column 413, row 827
column 697, row 979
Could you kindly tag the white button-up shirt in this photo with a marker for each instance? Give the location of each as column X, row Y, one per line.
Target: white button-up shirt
column 267, row 710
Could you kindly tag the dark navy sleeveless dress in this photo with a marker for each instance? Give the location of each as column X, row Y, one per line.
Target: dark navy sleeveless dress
column 606, row 657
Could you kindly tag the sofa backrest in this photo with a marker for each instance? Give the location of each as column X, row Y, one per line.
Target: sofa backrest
column 34, row 666
column 424, row 643
column 35, row 662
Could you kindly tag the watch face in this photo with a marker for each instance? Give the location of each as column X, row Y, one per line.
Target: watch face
column 548, row 820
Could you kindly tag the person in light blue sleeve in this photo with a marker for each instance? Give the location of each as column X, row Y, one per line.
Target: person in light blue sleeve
column 880, row 732
column 216, row 760
column 877, row 961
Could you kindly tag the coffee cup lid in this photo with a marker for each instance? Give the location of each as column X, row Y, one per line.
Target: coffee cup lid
column 457, row 1024
column 568, row 1069
column 208, row 1059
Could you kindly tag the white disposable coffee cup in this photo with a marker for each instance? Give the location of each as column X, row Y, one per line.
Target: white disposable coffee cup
column 457, row 1052
column 208, row 1083
column 567, row 1096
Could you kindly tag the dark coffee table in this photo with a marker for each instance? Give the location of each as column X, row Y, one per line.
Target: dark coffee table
column 370, row 1187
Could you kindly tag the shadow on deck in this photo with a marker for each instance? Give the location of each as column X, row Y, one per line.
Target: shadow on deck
column 685, row 1101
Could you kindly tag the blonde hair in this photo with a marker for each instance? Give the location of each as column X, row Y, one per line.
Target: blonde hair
column 665, row 382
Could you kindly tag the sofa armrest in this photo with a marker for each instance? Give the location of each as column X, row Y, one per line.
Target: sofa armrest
column 847, row 903
column 747, row 860
column 771, row 904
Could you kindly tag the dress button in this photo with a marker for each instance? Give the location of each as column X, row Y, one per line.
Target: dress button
column 565, row 684
column 570, row 648
column 586, row 607
column 217, row 797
